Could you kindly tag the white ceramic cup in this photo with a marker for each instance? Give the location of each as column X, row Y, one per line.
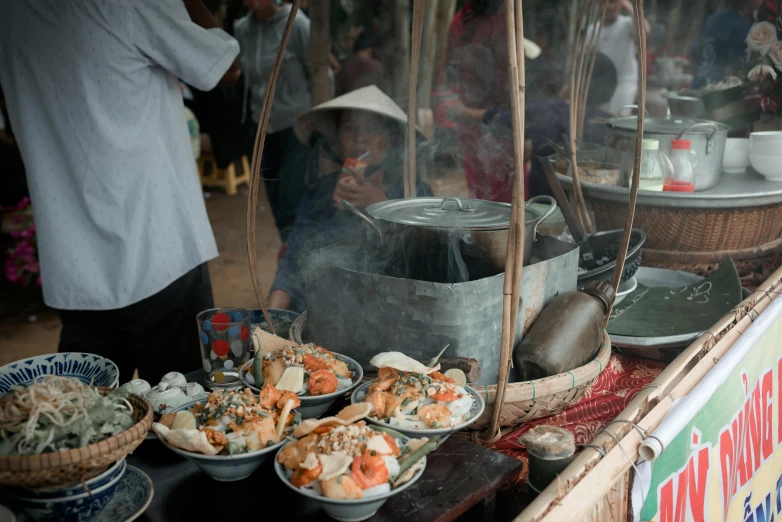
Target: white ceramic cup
column 736, row 156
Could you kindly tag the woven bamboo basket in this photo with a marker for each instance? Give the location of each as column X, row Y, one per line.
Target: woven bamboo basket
column 65, row 468
column 695, row 230
column 530, row 400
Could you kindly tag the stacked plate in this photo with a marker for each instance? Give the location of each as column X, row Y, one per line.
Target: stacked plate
column 765, row 154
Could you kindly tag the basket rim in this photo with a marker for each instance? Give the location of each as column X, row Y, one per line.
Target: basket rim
column 71, row 457
column 716, row 256
column 527, row 390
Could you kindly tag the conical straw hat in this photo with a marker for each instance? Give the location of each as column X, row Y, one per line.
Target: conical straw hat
column 322, row 118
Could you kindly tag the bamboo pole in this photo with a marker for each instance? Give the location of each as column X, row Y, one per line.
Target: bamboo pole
column 578, row 195
column 401, row 47
column 639, row 19
column 412, row 111
column 445, row 12
column 255, row 169
column 428, row 44
column 514, row 23
column 593, row 56
column 650, row 405
column 320, row 45
column 589, row 33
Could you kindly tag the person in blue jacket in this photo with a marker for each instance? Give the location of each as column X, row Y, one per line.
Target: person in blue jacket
column 363, row 124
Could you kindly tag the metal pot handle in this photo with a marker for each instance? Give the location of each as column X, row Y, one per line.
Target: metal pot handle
column 631, row 106
column 709, row 144
column 458, row 202
column 553, row 206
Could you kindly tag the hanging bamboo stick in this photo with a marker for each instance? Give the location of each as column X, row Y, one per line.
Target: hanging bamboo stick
column 602, row 5
column 419, row 13
column 639, row 134
column 578, row 196
column 515, row 253
column 583, row 61
column 255, row 169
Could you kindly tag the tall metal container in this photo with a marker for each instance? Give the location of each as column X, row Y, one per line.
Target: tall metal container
column 359, row 314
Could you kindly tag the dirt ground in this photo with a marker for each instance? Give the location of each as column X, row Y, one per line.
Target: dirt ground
column 28, row 328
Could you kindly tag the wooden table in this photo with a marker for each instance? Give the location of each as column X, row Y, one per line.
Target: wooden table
column 458, row 476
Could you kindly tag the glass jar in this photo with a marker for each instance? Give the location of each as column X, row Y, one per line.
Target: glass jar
column 682, row 176
column 653, row 166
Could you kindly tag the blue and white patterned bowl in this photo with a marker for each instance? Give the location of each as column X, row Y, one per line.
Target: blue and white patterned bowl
column 87, row 367
column 71, row 508
column 116, row 469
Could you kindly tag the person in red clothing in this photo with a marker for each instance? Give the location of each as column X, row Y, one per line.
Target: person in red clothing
column 478, row 74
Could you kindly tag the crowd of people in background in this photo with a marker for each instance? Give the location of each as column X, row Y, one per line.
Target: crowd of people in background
column 124, row 233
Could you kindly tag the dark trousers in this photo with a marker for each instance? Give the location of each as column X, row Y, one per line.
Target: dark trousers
column 156, row 335
column 283, row 168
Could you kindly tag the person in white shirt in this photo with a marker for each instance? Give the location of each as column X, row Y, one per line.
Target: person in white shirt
column 92, row 88
column 617, row 41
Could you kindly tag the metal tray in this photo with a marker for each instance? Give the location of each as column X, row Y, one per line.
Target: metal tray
column 660, row 347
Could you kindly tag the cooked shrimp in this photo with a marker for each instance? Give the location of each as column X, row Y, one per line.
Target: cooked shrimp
column 301, row 477
column 392, row 401
column 386, row 377
column 437, row 376
column 313, row 364
column 290, row 457
column 342, row 488
column 322, row 382
column 285, row 397
column 391, row 443
column 272, row 372
column 369, row 471
column 445, row 396
column 378, row 400
column 262, row 430
column 435, row 414
column 339, row 368
column 269, row 396
column 322, row 349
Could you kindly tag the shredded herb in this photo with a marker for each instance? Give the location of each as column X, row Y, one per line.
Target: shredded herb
column 373, row 453
column 269, row 443
column 339, row 479
column 406, row 401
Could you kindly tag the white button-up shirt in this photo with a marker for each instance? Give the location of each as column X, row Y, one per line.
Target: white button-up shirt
column 95, row 104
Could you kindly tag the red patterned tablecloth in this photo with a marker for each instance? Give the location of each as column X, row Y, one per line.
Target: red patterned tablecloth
column 621, row 381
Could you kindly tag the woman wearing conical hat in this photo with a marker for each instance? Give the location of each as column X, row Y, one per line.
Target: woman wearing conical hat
column 363, row 124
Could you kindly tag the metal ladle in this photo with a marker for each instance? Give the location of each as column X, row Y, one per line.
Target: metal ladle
column 366, row 219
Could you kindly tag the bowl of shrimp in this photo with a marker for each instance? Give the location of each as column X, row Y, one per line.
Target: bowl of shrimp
column 351, row 468
column 319, row 377
column 417, row 400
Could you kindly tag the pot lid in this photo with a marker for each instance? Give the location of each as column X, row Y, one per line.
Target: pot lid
column 666, row 125
column 450, row 212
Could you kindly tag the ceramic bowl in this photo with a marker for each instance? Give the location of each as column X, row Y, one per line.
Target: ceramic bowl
column 770, row 167
column 313, row 407
column 72, row 508
column 625, row 289
column 224, row 468
column 348, row 510
column 6, row 515
column 475, row 412
column 766, row 137
column 284, row 317
column 86, row 367
column 735, row 160
column 115, row 470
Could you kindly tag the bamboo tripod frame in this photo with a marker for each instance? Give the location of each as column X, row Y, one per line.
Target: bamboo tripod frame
column 515, row 251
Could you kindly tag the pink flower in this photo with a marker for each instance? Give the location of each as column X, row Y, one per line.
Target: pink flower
column 27, row 233
column 15, row 234
column 762, row 37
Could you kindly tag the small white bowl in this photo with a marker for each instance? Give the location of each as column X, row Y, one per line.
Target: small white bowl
column 766, row 149
column 770, row 167
column 626, row 288
column 6, row 515
column 735, row 159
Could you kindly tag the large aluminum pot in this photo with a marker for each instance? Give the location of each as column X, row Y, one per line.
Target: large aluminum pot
column 708, row 142
column 452, row 233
